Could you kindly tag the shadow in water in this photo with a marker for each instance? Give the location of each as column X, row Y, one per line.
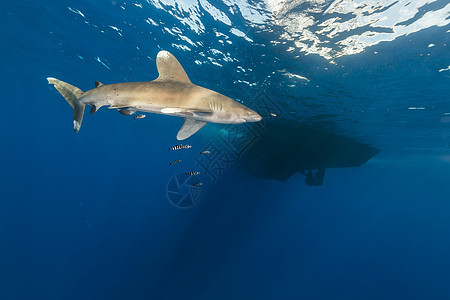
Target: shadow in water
column 287, row 148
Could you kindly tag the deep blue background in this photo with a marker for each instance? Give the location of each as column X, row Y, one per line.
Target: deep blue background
column 85, row 216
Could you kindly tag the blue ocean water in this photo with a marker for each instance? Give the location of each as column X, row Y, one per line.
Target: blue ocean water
column 357, row 90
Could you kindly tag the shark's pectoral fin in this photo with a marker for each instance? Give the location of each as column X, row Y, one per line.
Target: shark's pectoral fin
column 189, row 127
column 127, row 111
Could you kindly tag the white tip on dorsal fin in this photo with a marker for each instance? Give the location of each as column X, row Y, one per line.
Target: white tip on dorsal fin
column 98, row 83
column 190, row 126
column 169, row 68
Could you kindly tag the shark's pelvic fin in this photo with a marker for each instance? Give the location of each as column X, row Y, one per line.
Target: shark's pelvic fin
column 98, row 83
column 169, row 68
column 72, row 95
column 189, row 127
column 126, row 111
column 94, row 108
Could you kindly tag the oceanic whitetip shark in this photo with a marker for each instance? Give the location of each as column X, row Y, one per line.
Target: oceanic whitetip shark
column 172, row 93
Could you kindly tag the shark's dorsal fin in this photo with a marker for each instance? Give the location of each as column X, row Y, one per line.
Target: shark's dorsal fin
column 190, row 126
column 98, row 83
column 169, row 68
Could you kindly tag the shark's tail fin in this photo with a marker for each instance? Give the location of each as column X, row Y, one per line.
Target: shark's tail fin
column 72, row 94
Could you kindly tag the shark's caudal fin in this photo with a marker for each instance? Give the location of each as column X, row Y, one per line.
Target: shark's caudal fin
column 72, row 94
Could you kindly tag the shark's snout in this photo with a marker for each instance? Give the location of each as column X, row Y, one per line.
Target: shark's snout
column 252, row 116
column 256, row 118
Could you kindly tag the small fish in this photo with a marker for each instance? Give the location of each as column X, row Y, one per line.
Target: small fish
column 205, row 152
column 141, row 116
column 178, row 147
column 175, row 162
column 198, row 184
column 192, row 173
column 273, row 115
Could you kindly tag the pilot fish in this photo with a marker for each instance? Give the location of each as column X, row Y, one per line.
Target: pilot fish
column 178, row 147
column 175, row 162
column 192, row 173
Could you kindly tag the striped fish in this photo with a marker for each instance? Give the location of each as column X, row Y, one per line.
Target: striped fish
column 178, row 147
column 192, row 173
column 175, row 162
